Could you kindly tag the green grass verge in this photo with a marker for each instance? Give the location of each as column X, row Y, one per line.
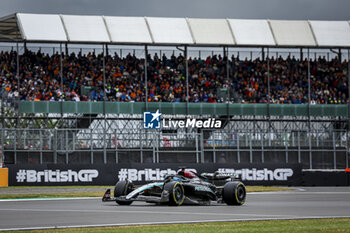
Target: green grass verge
column 100, row 193
column 310, row 225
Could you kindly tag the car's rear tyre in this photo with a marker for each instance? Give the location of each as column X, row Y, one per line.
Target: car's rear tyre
column 234, row 193
column 176, row 193
column 123, row 188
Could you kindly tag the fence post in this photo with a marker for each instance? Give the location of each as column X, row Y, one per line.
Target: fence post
column 299, row 153
column 262, row 148
column 104, row 142
column 116, row 146
column 310, row 152
column 55, row 147
column 141, row 152
column 197, row 151
column 238, row 152
column 202, row 146
column 250, row 148
column 73, row 142
column 146, row 78
column 268, row 89
column 158, row 145
column 308, row 89
column 41, row 146
column 2, row 146
column 214, row 150
column 17, row 71
column 187, row 91
column 286, row 144
column 154, row 149
column 91, row 148
column 334, row 151
column 347, row 149
column 15, row 146
column 66, row 146
column 263, row 54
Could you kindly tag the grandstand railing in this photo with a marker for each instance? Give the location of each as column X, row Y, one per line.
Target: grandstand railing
column 193, row 52
column 183, row 108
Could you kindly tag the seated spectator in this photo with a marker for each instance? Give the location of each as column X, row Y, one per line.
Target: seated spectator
column 40, row 80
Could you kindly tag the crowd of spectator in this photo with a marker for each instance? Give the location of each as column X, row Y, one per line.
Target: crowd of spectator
column 83, row 79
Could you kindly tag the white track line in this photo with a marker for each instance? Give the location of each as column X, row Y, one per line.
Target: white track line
column 163, row 223
column 293, row 192
column 50, row 199
column 142, row 212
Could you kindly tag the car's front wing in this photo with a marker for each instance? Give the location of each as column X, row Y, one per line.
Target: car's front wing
column 151, row 199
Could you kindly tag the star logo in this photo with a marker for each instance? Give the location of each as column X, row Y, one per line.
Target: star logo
column 156, row 115
column 151, row 120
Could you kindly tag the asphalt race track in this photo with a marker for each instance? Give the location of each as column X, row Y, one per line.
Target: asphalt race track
column 316, row 202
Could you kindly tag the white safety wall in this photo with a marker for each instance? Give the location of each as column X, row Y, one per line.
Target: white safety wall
column 41, row 27
column 169, row 30
column 211, row 31
column 128, row 30
column 251, row 32
column 292, row 33
column 85, row 28
column 331, row 33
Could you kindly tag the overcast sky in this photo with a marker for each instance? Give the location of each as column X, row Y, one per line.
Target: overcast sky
column 247, row 9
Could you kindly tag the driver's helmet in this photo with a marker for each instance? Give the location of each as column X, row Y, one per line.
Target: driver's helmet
column 187, row 174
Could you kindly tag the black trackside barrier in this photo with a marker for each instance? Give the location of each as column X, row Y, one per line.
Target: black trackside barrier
column 62, row 174
column 325, row 178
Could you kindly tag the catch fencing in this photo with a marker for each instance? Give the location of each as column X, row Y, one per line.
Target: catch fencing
column 311, row 149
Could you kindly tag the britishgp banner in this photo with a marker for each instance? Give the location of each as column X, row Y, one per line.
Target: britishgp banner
column 61, row 174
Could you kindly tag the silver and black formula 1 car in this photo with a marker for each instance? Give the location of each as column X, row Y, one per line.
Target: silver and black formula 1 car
column 186, row 187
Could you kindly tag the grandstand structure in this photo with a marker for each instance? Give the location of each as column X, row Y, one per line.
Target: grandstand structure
column 112, row 132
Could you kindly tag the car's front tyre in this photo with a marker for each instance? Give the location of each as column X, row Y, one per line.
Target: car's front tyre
column 123, row 188
column 176, row 193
